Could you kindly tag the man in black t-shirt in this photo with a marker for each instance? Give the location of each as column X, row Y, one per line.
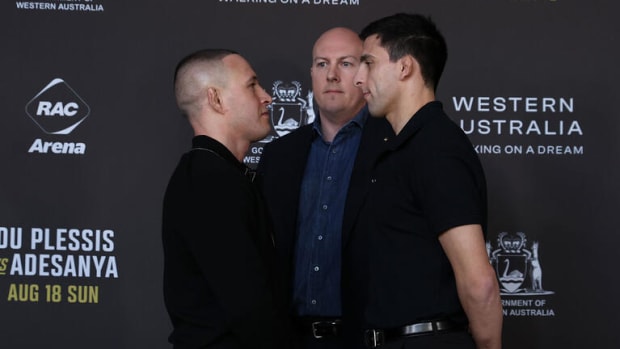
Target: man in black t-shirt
column 428, row 281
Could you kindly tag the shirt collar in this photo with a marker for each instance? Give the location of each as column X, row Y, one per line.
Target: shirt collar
column 358, row 120
column 416, row 122
column 206, row 142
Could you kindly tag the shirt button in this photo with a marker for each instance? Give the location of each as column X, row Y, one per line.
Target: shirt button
column 329, row 178
column 334, row 151
column 313, row 302
column 385, row 139
column 316, row 268
column 373, row 180
column 325, row 207
column 320, row 237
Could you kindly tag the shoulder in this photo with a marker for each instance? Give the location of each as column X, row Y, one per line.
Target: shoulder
column 203, row 170
column 300, row 135
column 438, row 131
column 288, row 146
column 378, row 126
column 202, row 162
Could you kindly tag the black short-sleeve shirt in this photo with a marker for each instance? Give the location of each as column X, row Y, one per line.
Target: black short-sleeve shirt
column 428, row 181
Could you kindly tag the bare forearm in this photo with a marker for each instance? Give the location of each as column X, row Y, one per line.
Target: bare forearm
column 476, row 283
column 484, row 310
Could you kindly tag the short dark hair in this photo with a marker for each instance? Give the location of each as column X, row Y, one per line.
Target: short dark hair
column 185, row 82
column 202, row 55
column 412, row 34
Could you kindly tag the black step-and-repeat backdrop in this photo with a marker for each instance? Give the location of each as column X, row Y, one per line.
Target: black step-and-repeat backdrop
column 90, row 133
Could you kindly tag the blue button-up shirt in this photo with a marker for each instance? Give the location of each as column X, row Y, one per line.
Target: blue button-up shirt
column 319, row 226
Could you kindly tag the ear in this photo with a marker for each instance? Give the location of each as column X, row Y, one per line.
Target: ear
column 214, row 99
column 408, row 66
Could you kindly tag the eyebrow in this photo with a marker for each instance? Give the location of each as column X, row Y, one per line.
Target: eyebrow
column 365, row 57
column 339, row 58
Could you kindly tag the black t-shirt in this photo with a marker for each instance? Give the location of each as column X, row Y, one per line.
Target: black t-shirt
column 428, row 181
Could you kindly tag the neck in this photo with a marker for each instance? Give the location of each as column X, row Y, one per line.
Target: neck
column 408, row 106
column 238, row 147
column 331, row 123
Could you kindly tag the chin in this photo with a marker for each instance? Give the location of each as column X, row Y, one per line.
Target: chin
column 375, row 111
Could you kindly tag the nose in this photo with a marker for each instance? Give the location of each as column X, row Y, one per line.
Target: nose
column 265, row 97
column 332, row 73
column 359, row 77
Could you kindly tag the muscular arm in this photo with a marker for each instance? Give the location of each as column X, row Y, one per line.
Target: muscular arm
column 476, row 283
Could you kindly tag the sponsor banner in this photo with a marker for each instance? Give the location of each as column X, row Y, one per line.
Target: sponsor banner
column 521, row 125
column 296, row 2
column 56, row 265
column 535, row 95
column 61, row 5
column 519, row 272
column 57, row 109
column 290, row 109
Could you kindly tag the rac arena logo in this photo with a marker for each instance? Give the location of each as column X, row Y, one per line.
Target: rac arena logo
column 57, row 109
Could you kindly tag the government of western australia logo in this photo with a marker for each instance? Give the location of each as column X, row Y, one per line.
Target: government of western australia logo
column 518, row 267
column 57, row 109
column 288, row 110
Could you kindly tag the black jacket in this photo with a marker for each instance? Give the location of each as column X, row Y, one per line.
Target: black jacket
column 280, row 174
column 219, row 286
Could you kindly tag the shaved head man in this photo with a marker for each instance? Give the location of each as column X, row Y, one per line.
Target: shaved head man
column 335, row 60
column 220, row 287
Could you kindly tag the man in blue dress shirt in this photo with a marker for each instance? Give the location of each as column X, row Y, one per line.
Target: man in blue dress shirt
column 313, row 181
